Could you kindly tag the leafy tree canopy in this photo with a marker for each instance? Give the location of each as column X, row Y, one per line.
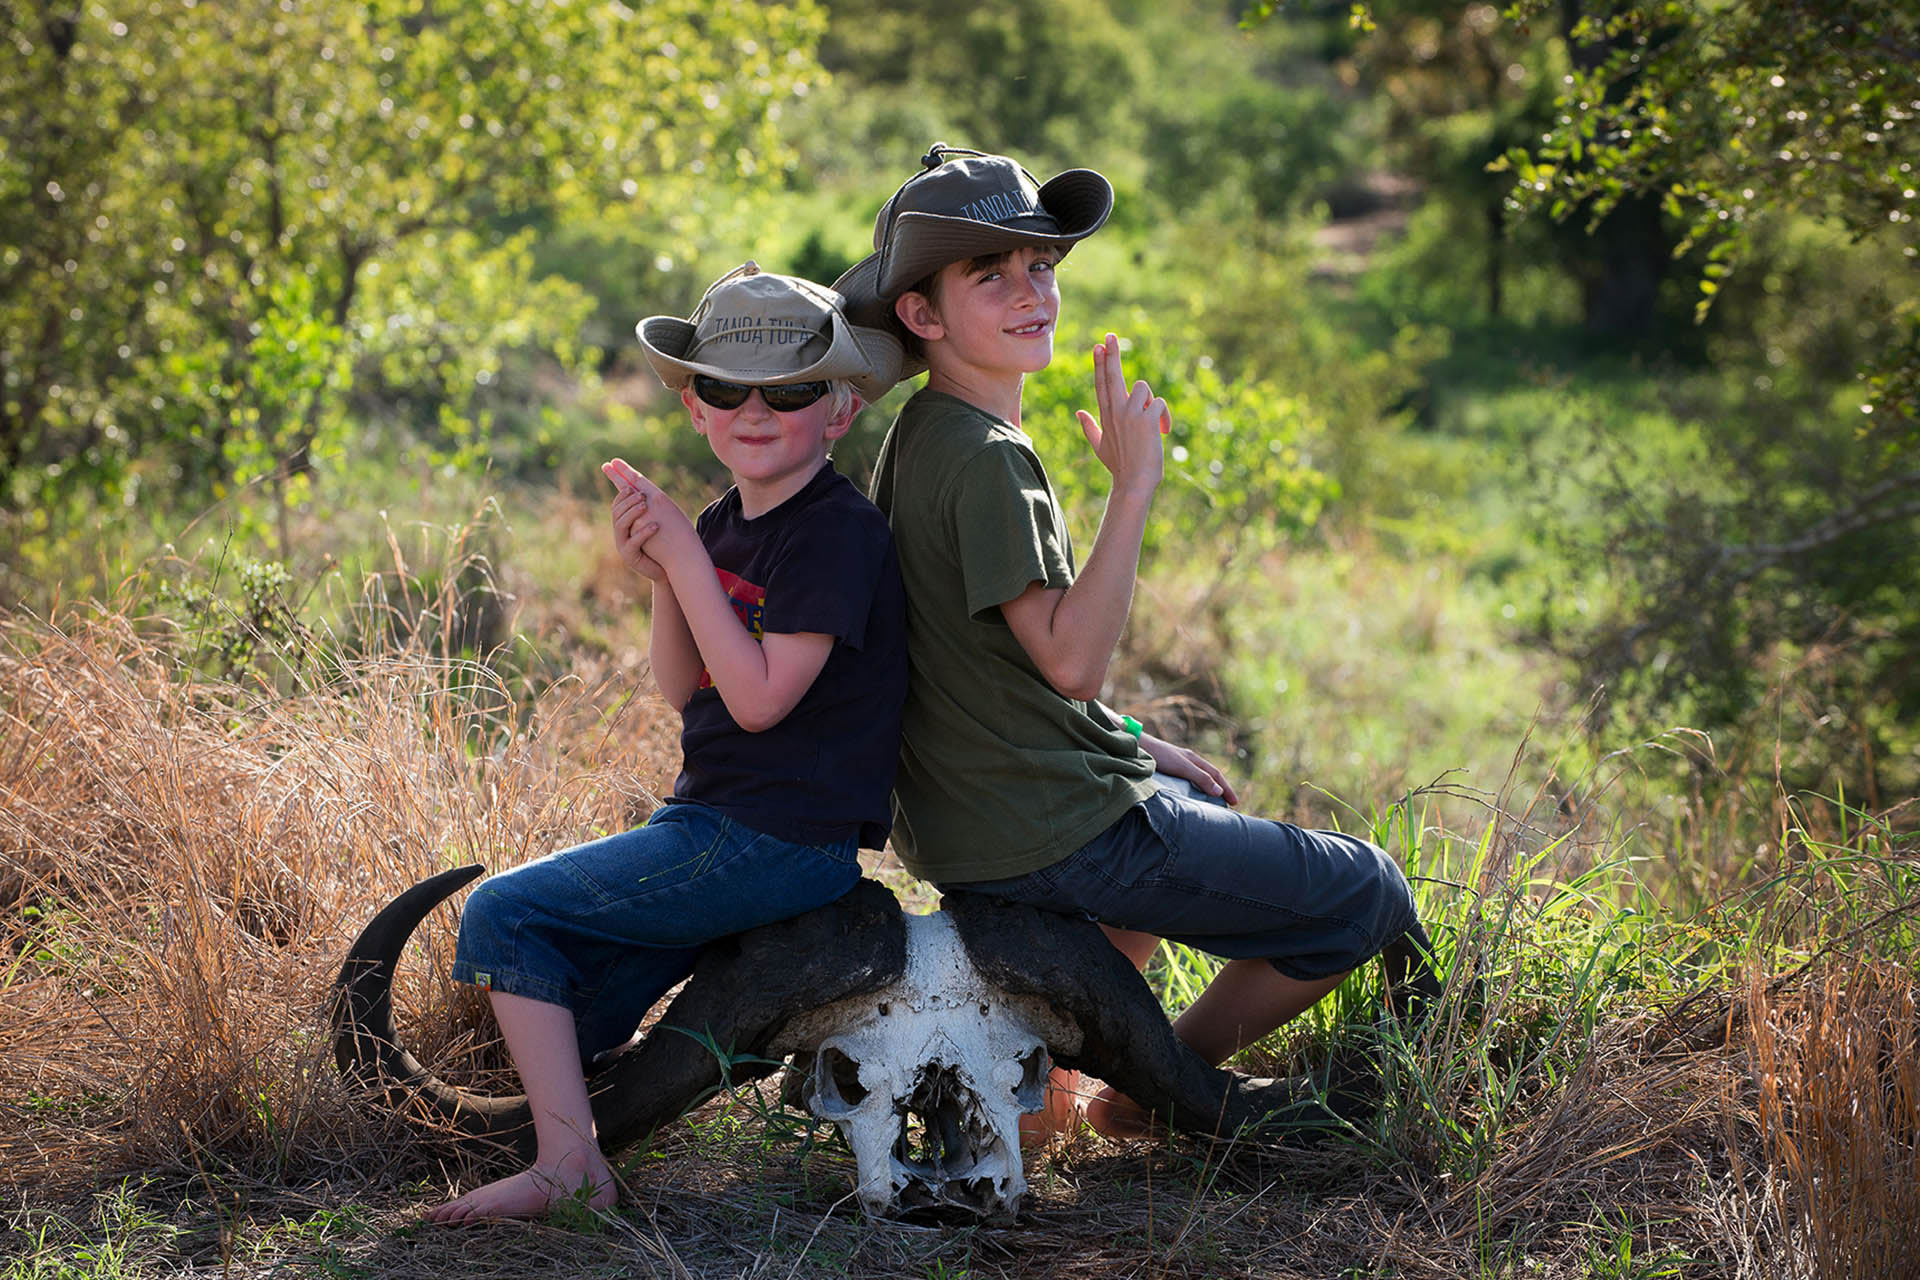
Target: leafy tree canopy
column 1027, row 80
column 1795, row 543
column 1734, row 112
column 216, row 215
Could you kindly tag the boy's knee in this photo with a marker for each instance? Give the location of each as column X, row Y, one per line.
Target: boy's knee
column 1393, row 911
column 487, row 904
column 1407, row 915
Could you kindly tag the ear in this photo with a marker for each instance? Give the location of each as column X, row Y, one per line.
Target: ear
column 837, row 427
column 696, row 408
column 916, row 312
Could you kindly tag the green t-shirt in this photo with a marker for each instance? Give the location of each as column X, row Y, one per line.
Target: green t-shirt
column 999, row 774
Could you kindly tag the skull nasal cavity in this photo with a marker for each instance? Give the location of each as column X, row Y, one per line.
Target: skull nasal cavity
column 845, row 1074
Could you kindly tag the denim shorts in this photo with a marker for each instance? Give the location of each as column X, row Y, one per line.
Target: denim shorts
column 606, row 928
column 1187, row 868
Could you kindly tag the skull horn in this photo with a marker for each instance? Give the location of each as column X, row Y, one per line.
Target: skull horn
column 742, row 991
column 365, row 1043
column 1125, row 1038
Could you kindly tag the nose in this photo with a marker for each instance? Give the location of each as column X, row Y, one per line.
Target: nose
column 755, row 405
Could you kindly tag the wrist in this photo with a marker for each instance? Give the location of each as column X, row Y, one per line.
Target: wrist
column 680, row 558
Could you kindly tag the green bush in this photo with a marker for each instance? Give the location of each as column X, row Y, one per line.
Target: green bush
column 1240, row 473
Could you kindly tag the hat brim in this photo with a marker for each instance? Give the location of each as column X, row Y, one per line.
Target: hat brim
column 1079, row 201
column 860, row 286
column 867, row 357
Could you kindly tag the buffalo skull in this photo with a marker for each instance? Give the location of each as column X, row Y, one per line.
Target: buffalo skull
column 923, row 1038
column 927, row 1079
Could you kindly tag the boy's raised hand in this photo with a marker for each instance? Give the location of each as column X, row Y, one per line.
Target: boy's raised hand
column 641, row 513
column 1126, row 436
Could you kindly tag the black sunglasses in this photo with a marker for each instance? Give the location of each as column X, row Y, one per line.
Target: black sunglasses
column 781, row 397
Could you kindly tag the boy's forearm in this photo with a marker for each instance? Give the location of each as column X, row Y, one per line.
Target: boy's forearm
column 671, row 650
column 1093, row 613
column 758, row 690
column 1074, row 648
column 732, row 656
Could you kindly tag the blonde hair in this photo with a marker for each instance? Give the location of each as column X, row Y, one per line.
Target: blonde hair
column 840, row 398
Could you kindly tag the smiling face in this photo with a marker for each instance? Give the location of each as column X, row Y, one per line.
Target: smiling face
column 988, row 320
column 770, row 455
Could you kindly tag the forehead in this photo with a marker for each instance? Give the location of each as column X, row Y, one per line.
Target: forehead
column 997, row 261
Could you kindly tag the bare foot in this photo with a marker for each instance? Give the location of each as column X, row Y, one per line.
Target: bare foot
column 1114, row 1115
column 1058, row 1114
column 531, row 1192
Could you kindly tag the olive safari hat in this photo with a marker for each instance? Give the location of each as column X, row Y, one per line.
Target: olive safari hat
column 757, row 327
column 964, row 204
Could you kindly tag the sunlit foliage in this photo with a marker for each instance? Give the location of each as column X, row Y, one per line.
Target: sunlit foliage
column 1240, row 474
column 1793, row 546
column 1735, row 112
column 217, row 216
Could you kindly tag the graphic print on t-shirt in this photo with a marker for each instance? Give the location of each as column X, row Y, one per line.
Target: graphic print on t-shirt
column 749, row 604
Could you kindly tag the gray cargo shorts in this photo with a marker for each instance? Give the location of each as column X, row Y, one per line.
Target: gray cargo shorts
column 1187, row 868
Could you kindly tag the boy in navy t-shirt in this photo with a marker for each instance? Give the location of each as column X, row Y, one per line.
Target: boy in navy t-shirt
column 779, row 632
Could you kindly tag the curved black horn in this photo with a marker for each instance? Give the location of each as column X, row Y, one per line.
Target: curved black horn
column 1126, row 1038
column 742, row 992
column 367, row 1047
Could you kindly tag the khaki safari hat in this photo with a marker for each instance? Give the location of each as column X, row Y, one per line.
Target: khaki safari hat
column 964, row 204
column 756, row 327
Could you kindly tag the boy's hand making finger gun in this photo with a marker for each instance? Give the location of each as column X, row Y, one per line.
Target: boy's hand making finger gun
column 633, row 522
column 1126, row 435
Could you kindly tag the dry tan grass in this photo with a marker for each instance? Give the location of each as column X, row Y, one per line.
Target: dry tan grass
column 1835, row 1093
column 184, row 860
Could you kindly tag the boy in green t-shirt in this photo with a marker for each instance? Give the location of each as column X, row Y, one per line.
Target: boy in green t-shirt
column 1014, row 780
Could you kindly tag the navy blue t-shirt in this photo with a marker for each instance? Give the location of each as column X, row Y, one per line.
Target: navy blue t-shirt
column 822, row 561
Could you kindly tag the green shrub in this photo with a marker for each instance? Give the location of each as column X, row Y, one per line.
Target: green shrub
column 1240, row 473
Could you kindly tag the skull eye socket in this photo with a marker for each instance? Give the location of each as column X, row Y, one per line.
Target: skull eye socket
column 1031, row 1092
column 837, row 1084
